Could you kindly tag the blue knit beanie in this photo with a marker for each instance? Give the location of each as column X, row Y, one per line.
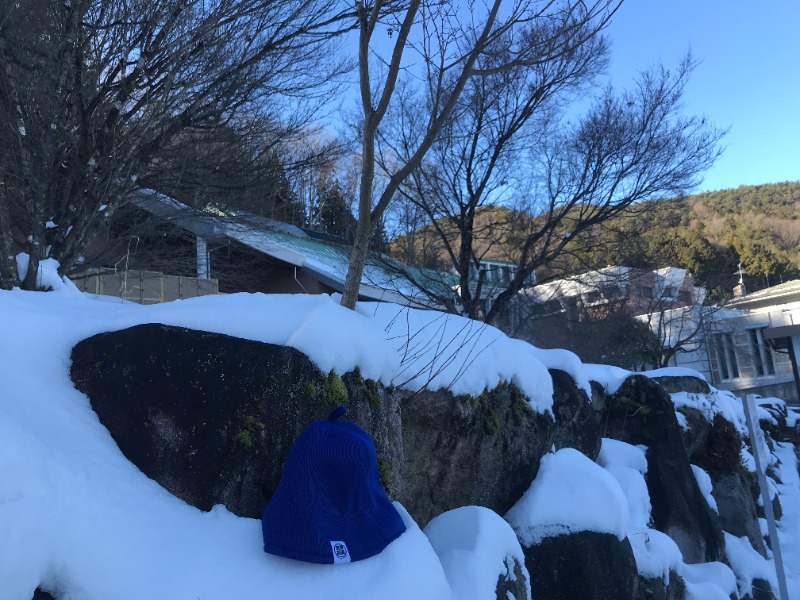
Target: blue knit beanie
column 330, row 506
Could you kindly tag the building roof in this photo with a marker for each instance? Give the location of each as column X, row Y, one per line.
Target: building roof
column 785, row 293
column 384, row 278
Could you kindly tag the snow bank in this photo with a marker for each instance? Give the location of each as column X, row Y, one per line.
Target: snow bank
column 77, row 517
column 571, row 493
column 474, row 544
column 789, row 525
column 442, row 351
column 748, row 564
column 655, row 552
column 718, row 402
column 622, row 454
column 612, row 378
column 708, row 581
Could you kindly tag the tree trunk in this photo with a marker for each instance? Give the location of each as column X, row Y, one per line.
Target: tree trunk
column 355, row 269
column 8, row 267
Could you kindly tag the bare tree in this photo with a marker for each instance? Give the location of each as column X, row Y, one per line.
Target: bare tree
column 453, row 45
column 92, row 91
column 561, row 179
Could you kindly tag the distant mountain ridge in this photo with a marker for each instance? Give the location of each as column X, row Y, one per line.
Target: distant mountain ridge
column 711, row 233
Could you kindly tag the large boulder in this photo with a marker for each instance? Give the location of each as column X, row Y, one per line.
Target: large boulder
column 695, row 432
column 657, row 589
column 641, row 412
column 212, row 417
column 737, row 509
column 582, row 566
column 716, row 448
column 463, row 450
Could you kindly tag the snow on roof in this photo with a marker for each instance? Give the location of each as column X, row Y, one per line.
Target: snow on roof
column 384, row 279
column 581, row 284
column 776, row 295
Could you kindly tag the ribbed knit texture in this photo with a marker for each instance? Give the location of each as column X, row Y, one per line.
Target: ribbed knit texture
column 330, row 491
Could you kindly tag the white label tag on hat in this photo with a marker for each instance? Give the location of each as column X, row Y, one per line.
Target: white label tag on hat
column 340, row 552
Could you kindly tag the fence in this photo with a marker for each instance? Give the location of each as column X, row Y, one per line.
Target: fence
column 143, row 287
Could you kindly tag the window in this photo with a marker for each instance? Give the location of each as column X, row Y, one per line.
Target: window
column 592, row 297
column 761, row 352
column 669, row 292
column 610, row 291
column 732, row 355
column 646, row 292
column 727, row 364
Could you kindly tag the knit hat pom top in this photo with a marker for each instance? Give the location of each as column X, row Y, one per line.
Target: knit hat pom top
column 330, row 506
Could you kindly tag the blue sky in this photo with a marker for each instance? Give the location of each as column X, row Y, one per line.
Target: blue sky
column 748, row 80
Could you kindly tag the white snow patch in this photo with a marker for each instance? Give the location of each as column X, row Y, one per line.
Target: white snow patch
column 615, row 452
column 571, row 493
column 655, row 552
column 443, row 351
column 789, row 524
column 475, row 545
column 748, row 564
column 718, row 402
column 708, row 581
column 704, row 482
column 609, row 377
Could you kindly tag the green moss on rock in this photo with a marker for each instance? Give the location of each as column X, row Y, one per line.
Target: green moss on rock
column 244, row 439
column 334, row 390
column 250, row 426
column 385, row 474
column 373, row 392
column 492, row 422
column 626, row 404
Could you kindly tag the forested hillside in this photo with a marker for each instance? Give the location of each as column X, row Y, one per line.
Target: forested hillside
column 709, row 234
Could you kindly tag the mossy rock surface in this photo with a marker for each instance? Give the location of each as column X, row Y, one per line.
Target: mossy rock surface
column 642, row 413
column 212, row 417
column 484, row 450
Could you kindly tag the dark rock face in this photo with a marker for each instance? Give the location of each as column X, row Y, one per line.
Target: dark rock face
column 485, row 451
column 719, row 450
column 582, row 566
column 655, row 589
column 577, row 420
column 694, row 436
column 641, row 412
column 716, row 448
column 211, row 417
column 737, row 509
column 515, row 582
column 762, row 590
